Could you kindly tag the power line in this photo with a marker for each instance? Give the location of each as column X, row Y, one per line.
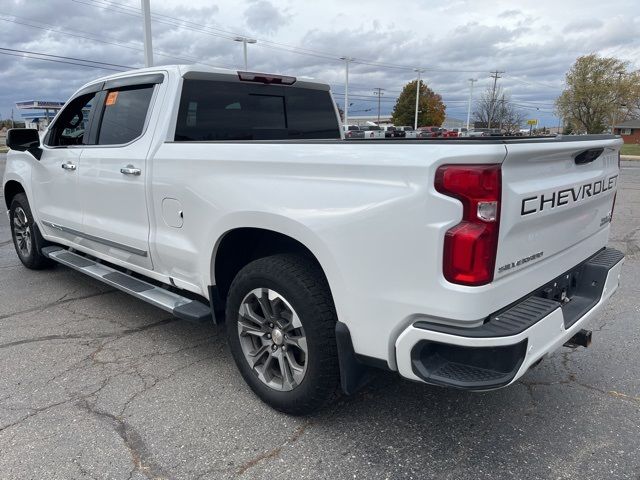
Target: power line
column 93, row 62
column 94, row 38
column 58, row 61
column 217, row 32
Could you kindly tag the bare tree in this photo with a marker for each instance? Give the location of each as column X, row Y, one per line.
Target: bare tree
column 500, row 109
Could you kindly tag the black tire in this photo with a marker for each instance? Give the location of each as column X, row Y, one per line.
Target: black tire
column 29, row 254
column 300, row 282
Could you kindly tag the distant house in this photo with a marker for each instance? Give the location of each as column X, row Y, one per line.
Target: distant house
column 629, row 130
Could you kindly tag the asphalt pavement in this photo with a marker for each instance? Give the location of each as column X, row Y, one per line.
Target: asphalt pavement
column 96, row 384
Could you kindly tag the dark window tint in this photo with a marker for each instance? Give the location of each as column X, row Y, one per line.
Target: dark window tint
column 125, row 111
column 70, row 128
column 214, row 110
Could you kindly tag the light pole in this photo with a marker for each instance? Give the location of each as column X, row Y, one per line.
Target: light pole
column 347, row 60
column 146, row 22
column 415, row 117
column 471, row 82
column 378, row 91
column 244, row 41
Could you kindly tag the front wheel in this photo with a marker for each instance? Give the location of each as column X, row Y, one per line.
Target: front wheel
column 281, row 331
column 26, row 236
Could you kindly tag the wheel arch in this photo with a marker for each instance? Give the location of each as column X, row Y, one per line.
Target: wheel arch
column 239, row 246
column 11, row 189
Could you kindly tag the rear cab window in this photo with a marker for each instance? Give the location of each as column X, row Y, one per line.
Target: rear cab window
column 214, row 110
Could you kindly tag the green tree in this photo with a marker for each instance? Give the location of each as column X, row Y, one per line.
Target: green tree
column 431, row 110
column 599, row 92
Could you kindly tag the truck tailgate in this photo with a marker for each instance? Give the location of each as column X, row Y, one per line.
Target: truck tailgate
column 554, row 196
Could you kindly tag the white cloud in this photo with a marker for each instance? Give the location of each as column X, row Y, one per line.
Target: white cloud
column 534, row 44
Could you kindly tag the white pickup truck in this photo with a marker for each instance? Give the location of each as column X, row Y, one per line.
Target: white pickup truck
column 233, row 196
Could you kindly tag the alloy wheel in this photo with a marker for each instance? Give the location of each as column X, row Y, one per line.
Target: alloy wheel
column 22, row 232
column 272, row 339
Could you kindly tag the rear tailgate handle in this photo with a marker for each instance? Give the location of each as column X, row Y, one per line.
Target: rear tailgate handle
column 588, row 156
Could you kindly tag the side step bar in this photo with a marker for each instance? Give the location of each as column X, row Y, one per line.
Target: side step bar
column 179, row 306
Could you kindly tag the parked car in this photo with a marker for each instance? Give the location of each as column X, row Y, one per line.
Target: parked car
column 478, row 132
column 396, row 132
column 372, row 132
column 388, row 131
column 429, row 132
column 353, row 131
column 453, row 265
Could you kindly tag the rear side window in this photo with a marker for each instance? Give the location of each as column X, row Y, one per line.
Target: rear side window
column 214, row 110
column 125, row 112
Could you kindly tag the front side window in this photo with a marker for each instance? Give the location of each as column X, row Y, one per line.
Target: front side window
column 70, row 128
column 215, row 110
column 124, row 115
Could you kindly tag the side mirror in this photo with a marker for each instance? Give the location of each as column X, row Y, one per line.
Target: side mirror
column 24, row 140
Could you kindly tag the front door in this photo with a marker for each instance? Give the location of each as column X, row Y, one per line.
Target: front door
column 55, row 177
column 113, row 176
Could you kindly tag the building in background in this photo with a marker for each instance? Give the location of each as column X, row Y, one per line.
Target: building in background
column 38, row 113
column 629, row 130
column 451, row 123
column 359, row 120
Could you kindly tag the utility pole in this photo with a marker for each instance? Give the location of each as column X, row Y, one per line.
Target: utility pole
column 378, row 91
column 347, row 60
column 471, row 82
column 415, row 118
column 616, row 106
column 502, row 111
column 12, row 124
column 146, row 22
column 495, row 75
column 244, row 41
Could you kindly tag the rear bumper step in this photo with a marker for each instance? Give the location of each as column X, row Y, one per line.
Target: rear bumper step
column 178, row 305
column 510, row 341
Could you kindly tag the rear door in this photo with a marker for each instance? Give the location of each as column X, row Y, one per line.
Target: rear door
column 556, row 195
column 114, row 171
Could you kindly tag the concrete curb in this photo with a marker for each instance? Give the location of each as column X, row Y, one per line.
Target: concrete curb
column 630, row 157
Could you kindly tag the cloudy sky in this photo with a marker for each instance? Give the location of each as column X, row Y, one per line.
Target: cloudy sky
column 533, row 43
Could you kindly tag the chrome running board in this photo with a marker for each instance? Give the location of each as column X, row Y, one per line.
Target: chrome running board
column 181, row 307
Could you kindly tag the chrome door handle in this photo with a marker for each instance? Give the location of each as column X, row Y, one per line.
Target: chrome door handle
column 130, row 170
column 68, row 166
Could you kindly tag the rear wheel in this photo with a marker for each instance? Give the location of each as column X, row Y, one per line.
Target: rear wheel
column 26, row 236
column 281, row 331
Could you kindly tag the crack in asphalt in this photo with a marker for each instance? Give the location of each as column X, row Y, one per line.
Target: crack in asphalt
column 572, row 379
column 33, row 413
column 60, row 301
column 274, row 452
column 47, row 338
column 141, row 458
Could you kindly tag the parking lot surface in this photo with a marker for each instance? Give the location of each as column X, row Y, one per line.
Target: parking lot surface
column 97, row 384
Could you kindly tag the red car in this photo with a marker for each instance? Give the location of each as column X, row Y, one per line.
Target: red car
column 427, row 132
column 450, row 133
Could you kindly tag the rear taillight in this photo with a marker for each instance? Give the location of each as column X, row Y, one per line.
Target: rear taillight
column 470, row 246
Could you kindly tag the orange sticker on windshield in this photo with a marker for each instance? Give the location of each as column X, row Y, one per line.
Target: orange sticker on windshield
column 111, row 98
